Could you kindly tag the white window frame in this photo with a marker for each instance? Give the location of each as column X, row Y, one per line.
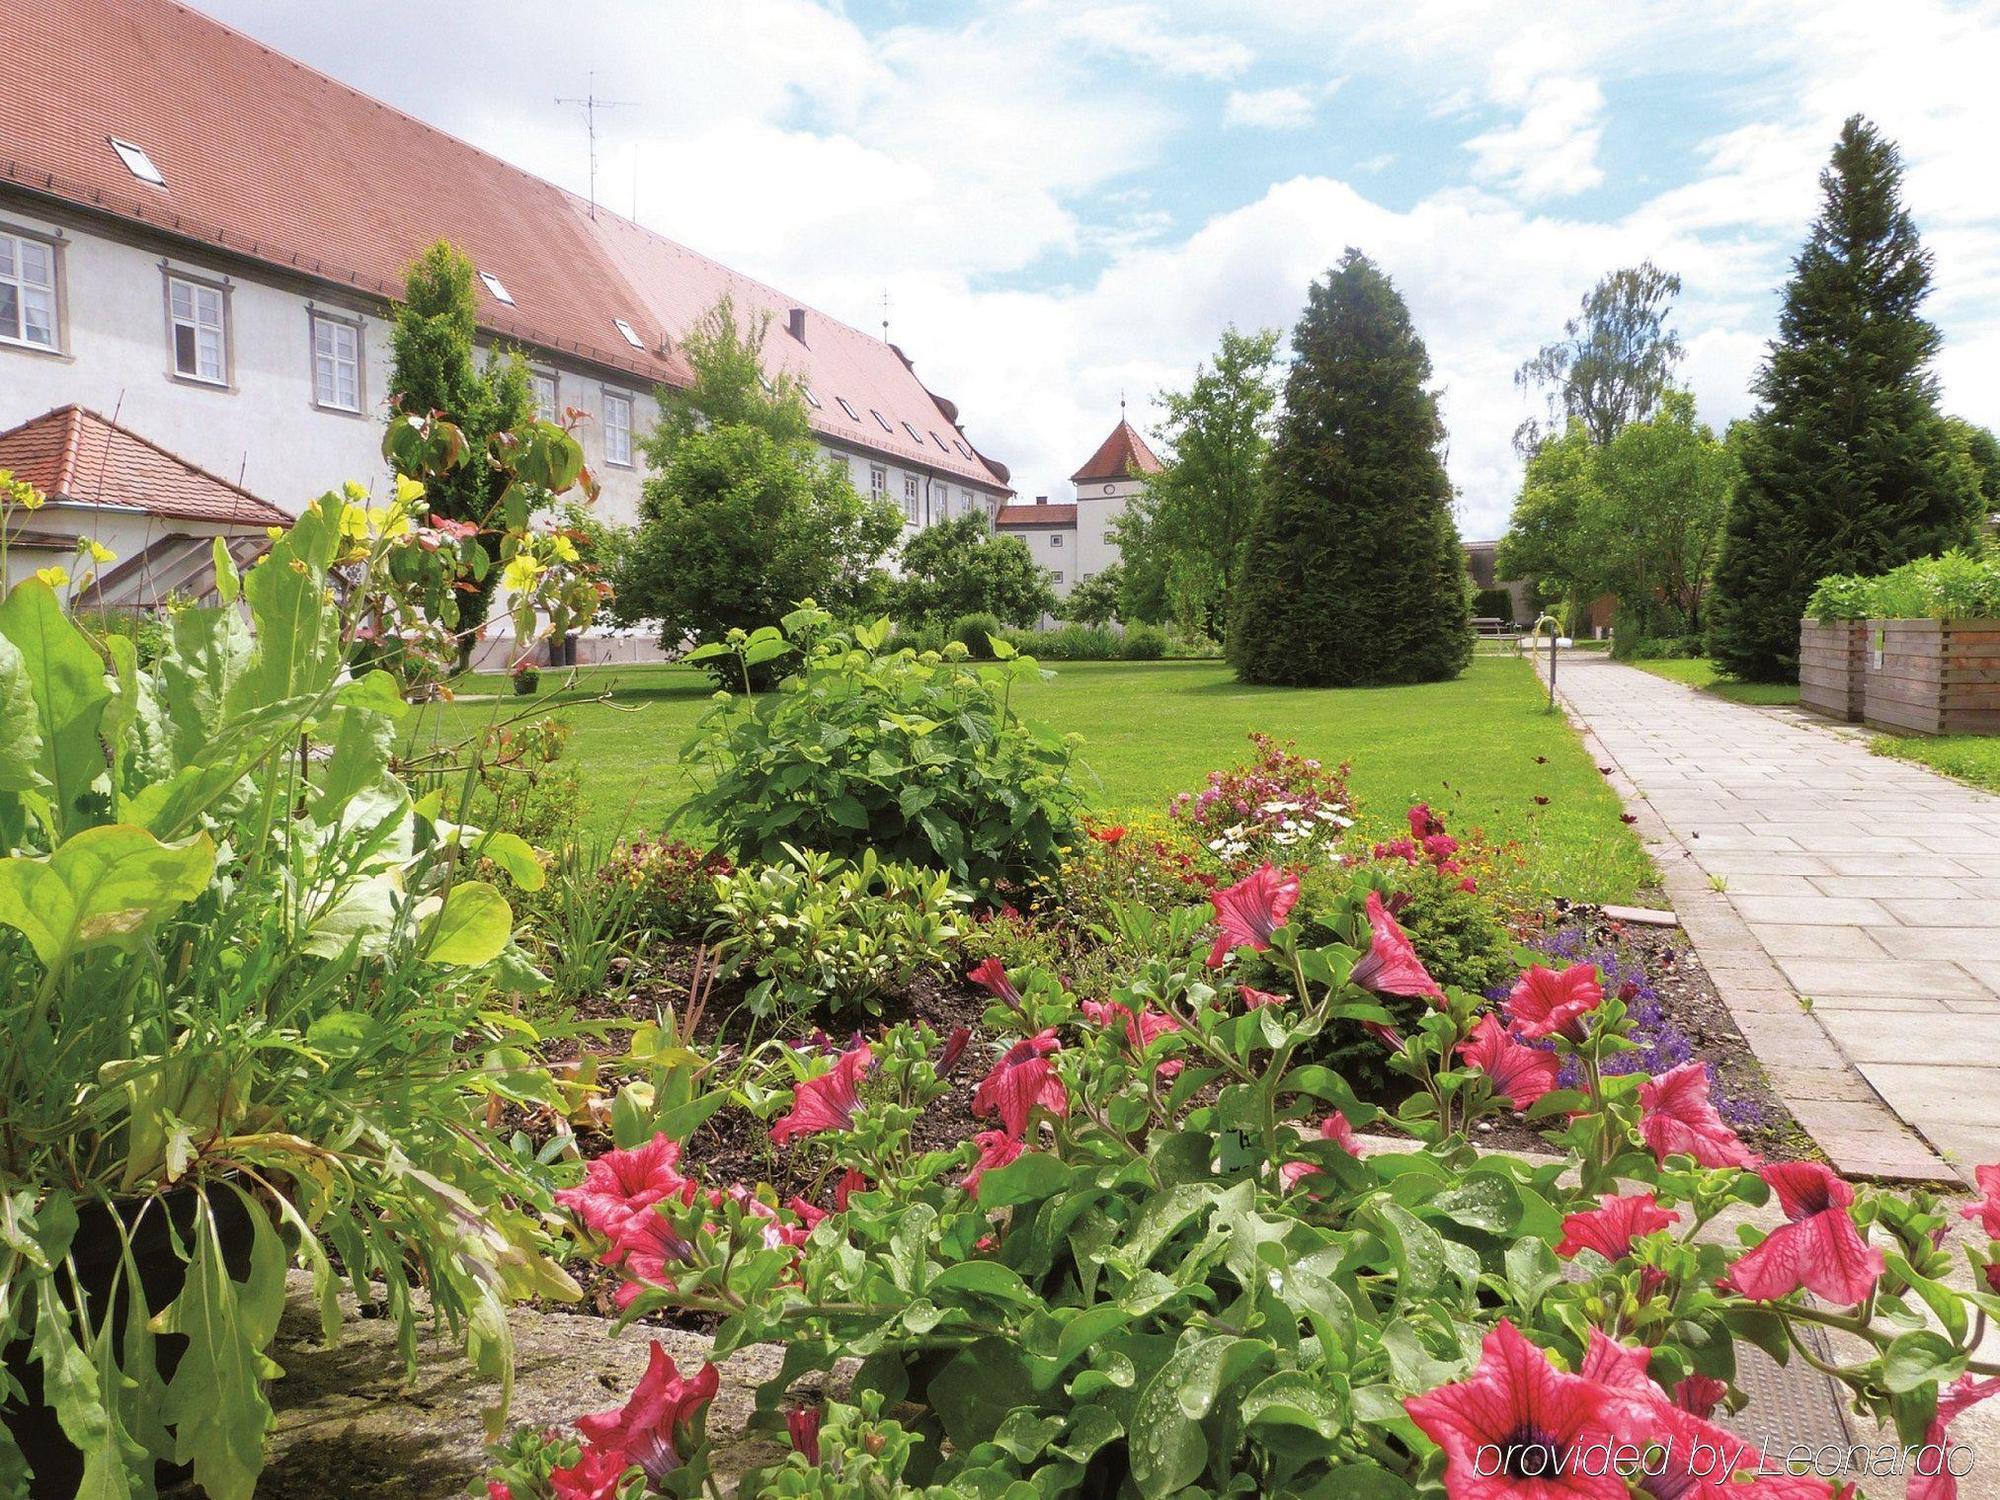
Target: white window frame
column 848, row 407
column 1055, row 538
column 138, row 161
column 630, row 334
column 911, row 500
column 18, row 280
column 497, row 287
column 197, row 288
column 878, row 482
column 553, row 378
column 318, row 319
column 615, row 401
column 1057, row 575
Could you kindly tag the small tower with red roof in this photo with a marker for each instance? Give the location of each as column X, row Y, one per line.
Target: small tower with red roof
column 1109, row 480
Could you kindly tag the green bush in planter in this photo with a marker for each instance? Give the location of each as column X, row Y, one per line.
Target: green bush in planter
column 239, row 969
column 919, row 757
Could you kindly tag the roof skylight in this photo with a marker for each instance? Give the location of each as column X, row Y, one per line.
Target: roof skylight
column 497, row 287
column 811, row 399
column 940, row 442
column 631, row 337
column 848, row 407
column 915, row 436
column 137, row 162
column 881, row 420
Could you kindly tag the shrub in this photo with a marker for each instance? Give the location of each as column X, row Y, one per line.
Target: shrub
column 1282, row 806
column 1841, row 596
column 1069, row 643
column 672, row 884
column 1494, row 604
column 1145, row 643
column 1148, row 863
column 147, row 633
column 818, row 932
column 520, row 783
column 920, row 757
column 956, row 568
column 977, row 634
column 1637, row 647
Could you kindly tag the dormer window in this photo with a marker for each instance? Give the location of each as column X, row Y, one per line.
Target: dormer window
column 496, row 287
column 137, row 162
column 626, row 329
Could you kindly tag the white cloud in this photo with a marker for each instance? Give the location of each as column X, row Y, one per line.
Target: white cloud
column 1143, row 35
column 1551, row 151
column 1269, row 109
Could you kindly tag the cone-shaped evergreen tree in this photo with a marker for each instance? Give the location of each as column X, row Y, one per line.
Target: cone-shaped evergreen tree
column 1353, row 572
column 1847, row 465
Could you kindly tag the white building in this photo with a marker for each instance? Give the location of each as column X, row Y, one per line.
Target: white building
column 1073, row 541
column 201, row 241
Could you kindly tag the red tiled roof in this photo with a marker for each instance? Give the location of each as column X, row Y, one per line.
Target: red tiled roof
column 267, row 158
column 1036, row 515
column 1120, row 456
column 74, row 454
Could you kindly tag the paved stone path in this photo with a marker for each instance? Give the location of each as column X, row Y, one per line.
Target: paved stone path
column 1871, row 884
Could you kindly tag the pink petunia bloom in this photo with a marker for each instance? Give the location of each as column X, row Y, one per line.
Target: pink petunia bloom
column 991, row 976
column 495, row 1490
column 996, row 1149
column 1545, row 1003
column 654, row 1427
column 1819, row 1249
column 1700, row 1394
column 1610, row 1228
column 1678, row 1120
column 1987, row 1209
column 954, row 1050
column 1690, row 1458
column 1519, row 1074
column 851, row 1182
column 1251, row 910
column 1334, row 1128
column 1254, row 999
column 643, row 1247
column 1518, row 1427
column 1020, row 1081
column 1615, row 1365
column 594, row 1476
column 1941, row 1483
column 802, row 1423
column 1391, row 966
column 619, row 1184
column 1140, row 1030
column 827, row 1102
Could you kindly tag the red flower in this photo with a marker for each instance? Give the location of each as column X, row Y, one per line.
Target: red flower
column 803, row 1425
column 1255, row 999
column 1108, row 835
column 954, row 1049
column 1251, row 910
column 991, row 976
column 1519, row 1427
column 495, row 1490
column 594, row 1476
column 1987, row 1210
column 1613, row 1364
column 996, row 1149
column 1941, row 1484
column 1688, row 1458
column 1140, row 1030
column 1700, row 1394
column 827, row 1102
column 1519, row 1074
column 619, row 1184
column 643, row 1247
column 1334, row 1128
column 1545, row 1003
column 658, row 1422
column 1820, row 1249
column 851, row 1182
column 1610, row 1228
column 1021, row 1080
column 1677, row 1119
column 1391, row 965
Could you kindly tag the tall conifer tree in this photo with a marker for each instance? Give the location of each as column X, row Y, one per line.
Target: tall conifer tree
column 1353, row 572
column 1847, row 465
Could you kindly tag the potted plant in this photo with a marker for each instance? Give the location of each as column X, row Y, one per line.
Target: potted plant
column 239, row 965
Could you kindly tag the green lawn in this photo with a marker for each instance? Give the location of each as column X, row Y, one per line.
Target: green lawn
column 1699, row 672
column 1969, row 757
column 1483, row 749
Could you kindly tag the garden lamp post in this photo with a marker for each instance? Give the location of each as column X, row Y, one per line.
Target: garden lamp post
column 1556, row 638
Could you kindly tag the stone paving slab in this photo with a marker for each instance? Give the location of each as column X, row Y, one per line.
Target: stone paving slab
column 1841, row 901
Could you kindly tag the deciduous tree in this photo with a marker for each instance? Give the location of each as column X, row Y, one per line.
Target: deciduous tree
column 960, row 567
column 1614, row 361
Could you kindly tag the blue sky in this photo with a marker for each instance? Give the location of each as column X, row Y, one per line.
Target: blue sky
column 1068, row 199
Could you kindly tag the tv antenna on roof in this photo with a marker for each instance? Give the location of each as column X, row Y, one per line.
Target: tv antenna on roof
column 591, row 104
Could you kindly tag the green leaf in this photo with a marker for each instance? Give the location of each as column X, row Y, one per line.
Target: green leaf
column 1482, row 1200
column 1032, row 1176
column 1531, row 1271
column 68, row 693
column 226, row 582
column 71, row 1386
column 471, row 927
column 215, row 1403
column 1918, row 1359
column 1169, row 1449
column 20, row 728
column 513, row 854
column 106, row 887
column 1418, row 1252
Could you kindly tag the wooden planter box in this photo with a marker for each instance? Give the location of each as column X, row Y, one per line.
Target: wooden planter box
column 1932, row 676
column 1830, row 667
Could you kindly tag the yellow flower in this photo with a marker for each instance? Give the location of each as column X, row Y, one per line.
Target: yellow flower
column 386, row 522
column 519, row 575
column 55, row 578
column 355, row 492
column 408, row 490
column 99, row 553
column 353, row 523
column 564, row 548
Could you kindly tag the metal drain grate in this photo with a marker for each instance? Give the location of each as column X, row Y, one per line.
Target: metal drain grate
column 1790, row 1404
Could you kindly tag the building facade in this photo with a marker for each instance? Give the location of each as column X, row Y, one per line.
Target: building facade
column 1073, row 540
column 202, row 242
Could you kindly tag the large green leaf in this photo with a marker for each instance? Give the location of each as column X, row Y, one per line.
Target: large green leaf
column 471, row 927
column 293, row 619
column 70, row 1385
column 68, row 691
column 20, row 728
column 208, row 651
column 105, row 887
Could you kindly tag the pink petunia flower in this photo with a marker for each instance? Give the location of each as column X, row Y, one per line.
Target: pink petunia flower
column 1613, row 1225
column 1021, row 1080
column 1941, row 1483
column 1334, row 1128
column 1520, row 1074
column 1677, row 1119
column 1700, row 1394
column 1616, row 1365
column 827, row 1102
column 954, row 1050
column 802, row 1424
column 851, row 1182
column 1987, row 1209
column 1251, row 910
column 594, row 1476
column 1140, row 1030
column 1819, row 1249
column 1516, row 1428
column 643, row 1247
column 619, row 1184
column 1545, row 1003
column 1391, row 966
column 1689, row 1458
column 996, row 1149
column 991, row 976
column 1254, row 999
column 657, row 1424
